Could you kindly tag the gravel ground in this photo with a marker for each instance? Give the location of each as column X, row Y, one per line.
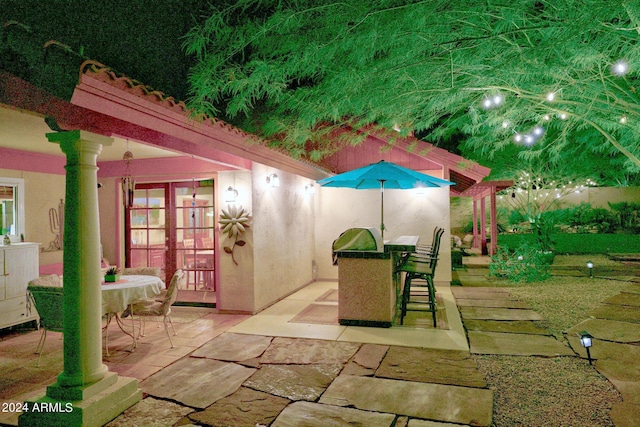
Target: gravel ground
column 553, row 392
column 561, row 391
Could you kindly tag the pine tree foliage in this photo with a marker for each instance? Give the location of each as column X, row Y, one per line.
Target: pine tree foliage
column 297, row 71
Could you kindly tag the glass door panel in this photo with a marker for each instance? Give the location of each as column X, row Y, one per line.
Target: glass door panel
column 194, row 231
column 148, row 228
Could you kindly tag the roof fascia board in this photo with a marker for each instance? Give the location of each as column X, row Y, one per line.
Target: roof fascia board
column 97, row 95
column 18, row 93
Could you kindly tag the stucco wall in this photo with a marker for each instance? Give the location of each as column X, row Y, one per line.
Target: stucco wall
column 283, row 235
column 42, row 192
column 111, row 220
column 235, row 291
column 406, row 212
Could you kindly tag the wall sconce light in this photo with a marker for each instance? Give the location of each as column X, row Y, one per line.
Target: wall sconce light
column 273, row 180
column 310, row 189
column 585, row 340
column 590, row 267
column 230, row 194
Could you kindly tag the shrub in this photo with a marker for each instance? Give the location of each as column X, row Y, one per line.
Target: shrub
column 529, row 263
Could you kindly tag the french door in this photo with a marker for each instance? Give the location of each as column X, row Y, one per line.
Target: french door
column 171, row 226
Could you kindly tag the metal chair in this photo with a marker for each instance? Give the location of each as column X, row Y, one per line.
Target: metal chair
column 419, row 289
column 160, row 308
column 46, row 292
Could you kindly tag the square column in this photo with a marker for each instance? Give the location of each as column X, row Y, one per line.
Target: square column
column 86, row 393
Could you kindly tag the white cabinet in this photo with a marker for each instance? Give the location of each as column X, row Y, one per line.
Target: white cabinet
column 18, row 265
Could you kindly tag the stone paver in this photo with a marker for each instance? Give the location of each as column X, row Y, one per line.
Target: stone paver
column 516, row 344
column 366, row 360
column 495, row 302
column 234, row 347
column 309, row 414
column 424, row 423
column 196, row 382
column 295, row 382
column 432, row 366
column 245, row 407
column 481, row 293
column 625, row 414
column 616, row 312
column 608, row 330
column 463, row 405
column 151, row 412
column 510, row 326
column 632, row 289
column 303, row 351
column 624, row 298
column 498, row 314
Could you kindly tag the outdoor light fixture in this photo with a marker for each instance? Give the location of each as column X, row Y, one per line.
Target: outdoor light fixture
column 310, row 189
column 585, row 339
column 623, row 119
column 273, row 180
column 230, row 194
column 492, row 101
column 551, row 96
column 620, row 68
column 590, row 267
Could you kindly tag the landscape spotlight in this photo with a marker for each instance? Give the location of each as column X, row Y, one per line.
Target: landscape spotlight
column 585, row 339
column 590, row 267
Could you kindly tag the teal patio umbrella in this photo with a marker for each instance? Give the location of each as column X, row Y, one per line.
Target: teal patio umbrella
column 383, row 175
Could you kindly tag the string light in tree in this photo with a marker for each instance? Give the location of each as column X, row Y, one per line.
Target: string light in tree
column 620, row 68
column 492, row 101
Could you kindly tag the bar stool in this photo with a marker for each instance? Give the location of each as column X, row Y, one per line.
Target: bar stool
column 419, row 289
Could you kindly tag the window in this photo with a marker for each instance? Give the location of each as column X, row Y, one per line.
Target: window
column 12, row 207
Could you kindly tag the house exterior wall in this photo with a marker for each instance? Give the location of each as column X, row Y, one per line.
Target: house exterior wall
column 283, row 235
column 236, row 289
column 43, row 191
column 406, row 212
column 111, row 221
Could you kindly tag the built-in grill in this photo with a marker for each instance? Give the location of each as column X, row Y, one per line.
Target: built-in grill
column 358, row 240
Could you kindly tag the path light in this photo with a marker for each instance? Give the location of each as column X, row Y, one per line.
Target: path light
column 590, row 267
column 585, row 339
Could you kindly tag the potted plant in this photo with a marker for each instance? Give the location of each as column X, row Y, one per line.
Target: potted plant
column 112, row 274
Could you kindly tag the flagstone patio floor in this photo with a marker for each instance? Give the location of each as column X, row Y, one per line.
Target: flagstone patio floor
column 263, row 370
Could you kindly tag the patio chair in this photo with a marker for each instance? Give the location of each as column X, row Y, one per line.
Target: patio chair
column 157, row 308
column 46, row 292
column 419, row 293
column 427, row 249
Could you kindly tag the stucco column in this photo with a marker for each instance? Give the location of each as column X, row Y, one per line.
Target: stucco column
column 82, row 276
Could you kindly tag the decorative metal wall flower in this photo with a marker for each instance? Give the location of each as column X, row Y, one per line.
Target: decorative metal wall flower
column 234, row 222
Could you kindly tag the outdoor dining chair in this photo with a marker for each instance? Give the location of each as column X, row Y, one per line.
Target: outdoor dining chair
column 160, row 308
column 46, row 292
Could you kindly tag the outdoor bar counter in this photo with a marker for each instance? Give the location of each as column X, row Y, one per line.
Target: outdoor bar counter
column 367, row 283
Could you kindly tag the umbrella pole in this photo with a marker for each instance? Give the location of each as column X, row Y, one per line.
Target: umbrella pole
column 382, row 207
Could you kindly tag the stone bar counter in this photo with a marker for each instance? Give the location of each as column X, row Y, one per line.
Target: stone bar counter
column 368, row 283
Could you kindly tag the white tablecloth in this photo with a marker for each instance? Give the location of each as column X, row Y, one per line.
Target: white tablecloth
column 117, row 296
